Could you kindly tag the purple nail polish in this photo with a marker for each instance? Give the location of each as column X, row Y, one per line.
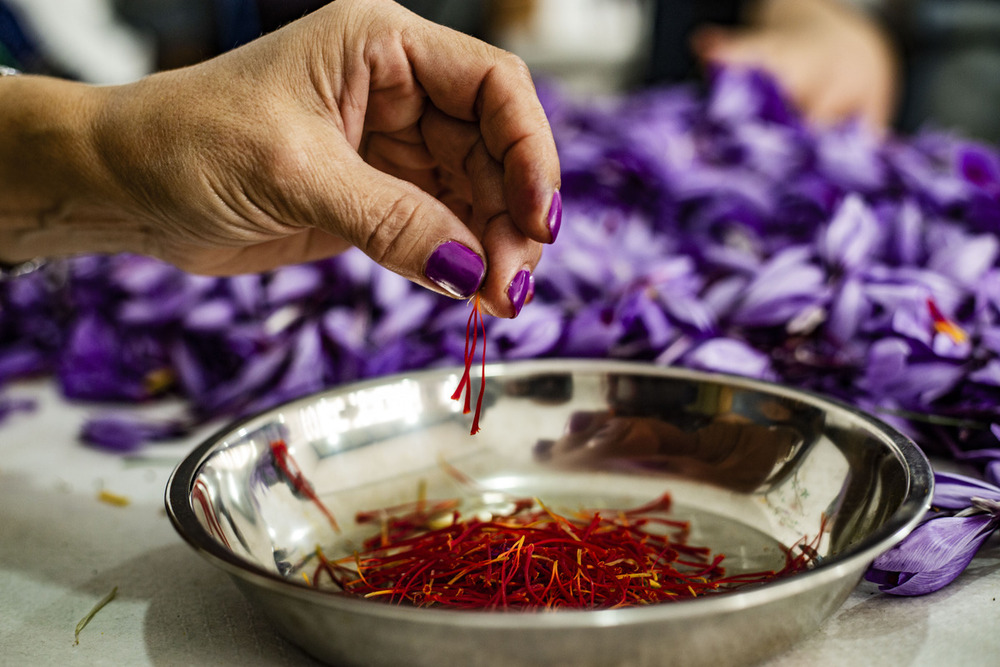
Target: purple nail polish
column 456, row 269
column 555, row 215
column 531, row 290
column 517, row 292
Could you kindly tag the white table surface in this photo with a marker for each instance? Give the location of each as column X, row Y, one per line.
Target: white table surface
column 62, row 550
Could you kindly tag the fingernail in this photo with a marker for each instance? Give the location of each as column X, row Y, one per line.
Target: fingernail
column 555, row 215
column 456, row 269
column 517, row 292
column 531, row 290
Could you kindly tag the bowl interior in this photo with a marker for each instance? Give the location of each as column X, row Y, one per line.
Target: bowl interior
column 756, row 468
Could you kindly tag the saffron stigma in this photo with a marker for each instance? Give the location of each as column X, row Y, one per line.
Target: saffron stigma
column 473, row 327
column 944, row 325
column 425, row 554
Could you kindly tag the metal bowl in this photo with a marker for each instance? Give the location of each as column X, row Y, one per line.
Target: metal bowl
column 755, row 468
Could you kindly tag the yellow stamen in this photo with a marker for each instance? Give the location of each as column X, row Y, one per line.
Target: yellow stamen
column 951, row 330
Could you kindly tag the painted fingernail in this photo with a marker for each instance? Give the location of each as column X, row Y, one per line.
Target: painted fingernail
column 456, row 269
column 531, row 290
column 517, row 292
column 555, row 215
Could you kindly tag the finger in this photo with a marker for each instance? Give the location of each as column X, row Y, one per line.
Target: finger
column 393, row 221
column 465, row 165
column 472, row 81
column 720, row 45
column 513, row 257
column 394, row 151
column 458, row 147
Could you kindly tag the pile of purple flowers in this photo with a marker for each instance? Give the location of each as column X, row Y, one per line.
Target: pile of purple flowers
column 708, row 229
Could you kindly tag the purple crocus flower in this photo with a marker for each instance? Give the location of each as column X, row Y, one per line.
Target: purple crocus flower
column 965, row 512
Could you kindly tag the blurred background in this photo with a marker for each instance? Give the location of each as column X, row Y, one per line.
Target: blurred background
column 948, row 50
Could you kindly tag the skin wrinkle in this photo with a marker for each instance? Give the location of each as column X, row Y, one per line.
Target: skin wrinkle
column 408, row 219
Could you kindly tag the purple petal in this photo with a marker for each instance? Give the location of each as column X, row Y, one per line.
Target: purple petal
column 390, row 289
column 906, row 239
column 21, row 360
column 533, row 333
column 849, row 155
column 955, row 492
column 211, row 315
column 966, row 258
column 593, row 332
column 725, row 355
column 126, row 433
column 142, row 275
column 9, row 406
column 639, row 310
column 304, row 373
column 292, row 283
column 346, row 328
column 247, row 292
column 780, row 291
column 981, row 167
column 407, row 316
column 848, row 310
column 852, row 235
column 259, row 370
column 933, row 555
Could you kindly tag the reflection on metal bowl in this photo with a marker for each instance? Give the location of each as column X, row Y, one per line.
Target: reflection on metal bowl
column 754, row 467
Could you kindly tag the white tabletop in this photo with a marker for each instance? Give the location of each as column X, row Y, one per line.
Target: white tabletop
column 62, row 550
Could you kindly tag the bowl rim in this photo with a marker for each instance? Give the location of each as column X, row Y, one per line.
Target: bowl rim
column 850, row 562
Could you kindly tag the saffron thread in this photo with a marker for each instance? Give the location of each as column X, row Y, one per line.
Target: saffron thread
column 426, row 554
column 475, row 325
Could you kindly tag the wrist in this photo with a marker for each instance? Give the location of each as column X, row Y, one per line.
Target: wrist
column 57, row 197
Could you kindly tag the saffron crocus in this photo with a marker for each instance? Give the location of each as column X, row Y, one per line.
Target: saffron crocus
column 965, row 512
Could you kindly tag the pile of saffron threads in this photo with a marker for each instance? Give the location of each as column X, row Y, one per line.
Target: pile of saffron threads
column 426, row 555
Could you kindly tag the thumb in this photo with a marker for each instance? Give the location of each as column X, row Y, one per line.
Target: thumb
column 406, row 230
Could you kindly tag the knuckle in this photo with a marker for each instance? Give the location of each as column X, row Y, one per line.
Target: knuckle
column 514, row 66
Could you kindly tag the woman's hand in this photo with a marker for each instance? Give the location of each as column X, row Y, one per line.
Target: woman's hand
column 834, row 61
column 360, row 124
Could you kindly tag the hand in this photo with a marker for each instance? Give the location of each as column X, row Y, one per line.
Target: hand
column 833, row 61
column 360, row 124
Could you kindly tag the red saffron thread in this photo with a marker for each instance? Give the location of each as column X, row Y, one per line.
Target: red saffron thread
column 292, row 471
column 534, row 558
column 473, row 327
column 943, row 324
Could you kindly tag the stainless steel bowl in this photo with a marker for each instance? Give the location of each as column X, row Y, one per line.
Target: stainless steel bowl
column 754, row 466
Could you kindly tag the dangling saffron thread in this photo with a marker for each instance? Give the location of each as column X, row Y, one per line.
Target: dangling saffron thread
column 475, row 324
